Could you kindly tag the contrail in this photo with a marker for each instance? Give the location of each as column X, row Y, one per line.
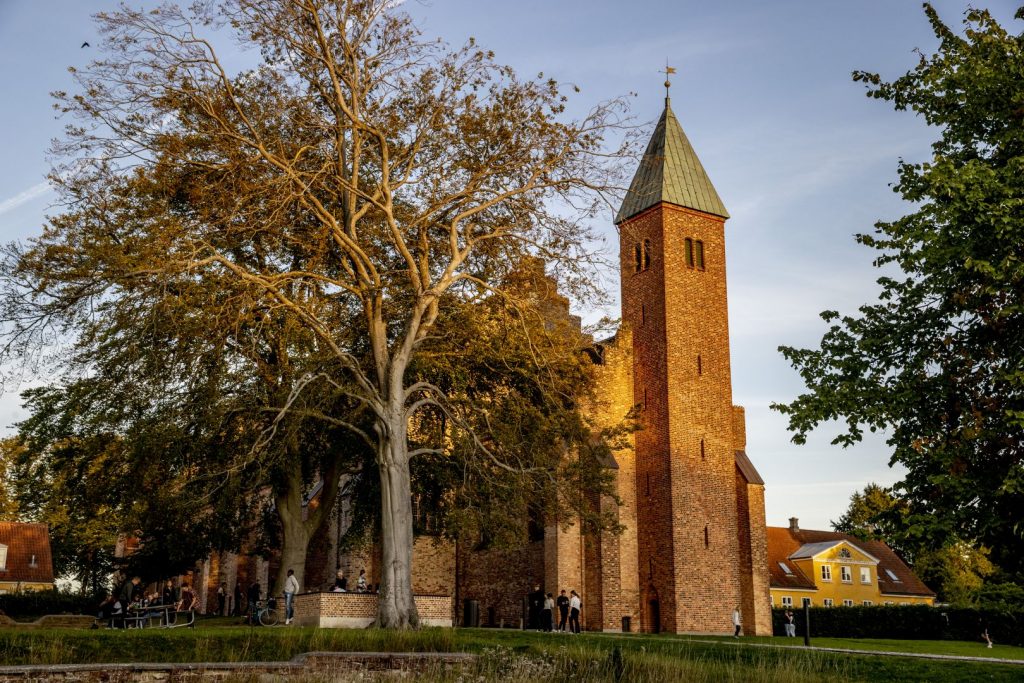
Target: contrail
column 23, row 197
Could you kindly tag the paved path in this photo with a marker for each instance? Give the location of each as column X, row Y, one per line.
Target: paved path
column 884, row 653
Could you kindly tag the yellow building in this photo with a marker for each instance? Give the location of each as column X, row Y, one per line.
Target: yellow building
column 830, row 569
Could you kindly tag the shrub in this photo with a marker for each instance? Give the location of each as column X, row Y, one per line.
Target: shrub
column 30, row 604
column 909, row 622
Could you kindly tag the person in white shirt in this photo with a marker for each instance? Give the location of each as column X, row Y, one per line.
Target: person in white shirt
column 291, row 587
column 574, row 611
column 736, row 621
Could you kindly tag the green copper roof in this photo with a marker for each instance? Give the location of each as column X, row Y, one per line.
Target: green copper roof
column 670, row 172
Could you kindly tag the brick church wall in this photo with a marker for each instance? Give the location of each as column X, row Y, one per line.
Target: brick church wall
column 500, row 579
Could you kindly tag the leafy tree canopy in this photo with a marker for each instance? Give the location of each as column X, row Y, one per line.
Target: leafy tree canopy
column 938, row 361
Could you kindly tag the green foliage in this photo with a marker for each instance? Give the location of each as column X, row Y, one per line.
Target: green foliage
column 909, row 622
column 24, row 605
column 937, row 361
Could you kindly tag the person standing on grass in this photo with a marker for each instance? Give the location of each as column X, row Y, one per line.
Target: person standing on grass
column 790, row 625
column 574, row 612
column 736, row 621
column 549, row 613
column 563, row 610
column 254, row 597
column 222, row 598
column 291, row 587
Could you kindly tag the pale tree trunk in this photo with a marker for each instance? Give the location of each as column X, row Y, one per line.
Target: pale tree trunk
column 396, row 607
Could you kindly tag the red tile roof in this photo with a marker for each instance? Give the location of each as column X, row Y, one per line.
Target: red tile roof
column 23, row 540
column 783, row 542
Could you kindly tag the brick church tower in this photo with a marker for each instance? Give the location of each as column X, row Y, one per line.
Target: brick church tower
column 699, row 501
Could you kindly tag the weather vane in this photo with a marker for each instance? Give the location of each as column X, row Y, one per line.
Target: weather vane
column 669, row 70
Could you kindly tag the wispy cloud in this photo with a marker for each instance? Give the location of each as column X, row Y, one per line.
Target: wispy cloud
column 25, row 196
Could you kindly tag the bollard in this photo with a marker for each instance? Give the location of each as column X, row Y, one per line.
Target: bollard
column 807, row 624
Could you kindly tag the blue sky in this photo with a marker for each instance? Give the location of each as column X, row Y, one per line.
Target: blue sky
column 801, row 158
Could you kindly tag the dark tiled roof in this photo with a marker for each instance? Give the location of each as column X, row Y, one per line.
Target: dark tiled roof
column 670, row 172
column 24, row 540
column 783, row 542
column 747, row 469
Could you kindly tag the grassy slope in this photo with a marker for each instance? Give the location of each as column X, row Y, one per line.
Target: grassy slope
column 511, row 655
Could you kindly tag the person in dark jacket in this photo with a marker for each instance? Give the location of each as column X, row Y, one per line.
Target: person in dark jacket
column 254, row 597
column 563, row 610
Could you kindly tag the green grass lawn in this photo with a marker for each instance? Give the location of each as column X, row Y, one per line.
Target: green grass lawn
column 508, row 655
column 933, row 647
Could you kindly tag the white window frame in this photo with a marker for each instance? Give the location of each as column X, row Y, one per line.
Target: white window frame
column 804, row 602
column 892, row 575
column 3, row 557
column 787, row 601
column 828, row 602
column 847, row 603
column 867, row 603
column 865, row 575
column 785, row 567
column 889, row 602
column 826, row 572
column 846, row 574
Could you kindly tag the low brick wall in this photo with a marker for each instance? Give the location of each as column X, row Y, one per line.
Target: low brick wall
column 359, row 610
column 319, row 665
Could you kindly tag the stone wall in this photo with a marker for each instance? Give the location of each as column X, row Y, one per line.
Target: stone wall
column 500, row 579
column 359, row 610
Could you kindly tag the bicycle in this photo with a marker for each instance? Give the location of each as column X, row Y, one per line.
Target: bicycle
column 266, row 612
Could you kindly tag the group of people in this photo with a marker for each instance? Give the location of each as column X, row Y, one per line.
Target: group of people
column 133, row 599
column 542, row 606
column 341, row 582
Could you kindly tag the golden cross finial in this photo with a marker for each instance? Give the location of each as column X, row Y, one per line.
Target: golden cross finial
column 669, row 70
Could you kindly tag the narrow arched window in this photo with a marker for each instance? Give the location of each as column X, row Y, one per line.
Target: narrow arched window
column 638, row 258
column 700, row 254
column 707, row 540
column 688, row 246
column 702, row 449
column 700, row 366
column 647, row 254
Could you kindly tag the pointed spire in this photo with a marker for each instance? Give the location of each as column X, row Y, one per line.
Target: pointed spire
column 670, row 172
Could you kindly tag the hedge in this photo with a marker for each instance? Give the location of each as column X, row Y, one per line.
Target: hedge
column 908, row 622
column 30, row 604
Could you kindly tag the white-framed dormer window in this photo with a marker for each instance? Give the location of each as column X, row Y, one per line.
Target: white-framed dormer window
column 827, row 602
column 826, row 572
column 785, row 567
column 846, row 574
column 787, row 601
column 847, row 603
column 865, row 574
column 893, row 576
column 3, row 557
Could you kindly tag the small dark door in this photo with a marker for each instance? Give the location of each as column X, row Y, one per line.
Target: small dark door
column 655, row 613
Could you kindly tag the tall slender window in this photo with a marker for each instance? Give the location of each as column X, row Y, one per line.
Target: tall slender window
column 689, row 252
column 643, row 314
column 700, row 366
column 700, row 254
column 638, row 258
column 647, row 254
column 707, row 542
column 702, row 449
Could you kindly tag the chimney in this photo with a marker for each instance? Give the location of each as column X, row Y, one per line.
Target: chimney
column 794, row 524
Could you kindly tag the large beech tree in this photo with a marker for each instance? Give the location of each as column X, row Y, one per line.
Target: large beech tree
column 938, row 361
column 358, row 177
